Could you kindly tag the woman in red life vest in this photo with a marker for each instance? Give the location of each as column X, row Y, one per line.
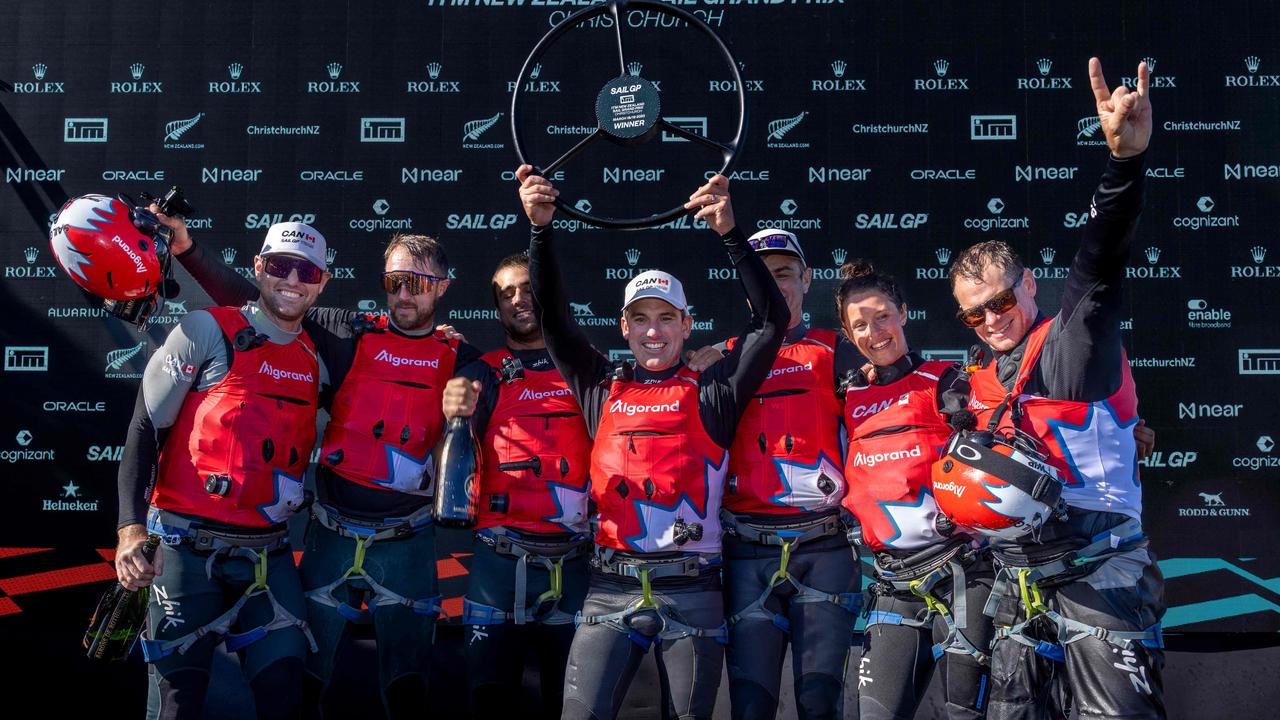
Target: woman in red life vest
column 924, row 607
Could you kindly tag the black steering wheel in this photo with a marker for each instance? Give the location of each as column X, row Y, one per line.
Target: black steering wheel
column 627, row 108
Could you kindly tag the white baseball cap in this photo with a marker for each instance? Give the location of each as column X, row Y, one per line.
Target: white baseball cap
column 773, row 240
column 295, row 238
column 655, row 284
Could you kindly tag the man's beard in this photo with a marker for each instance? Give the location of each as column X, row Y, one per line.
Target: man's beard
column 521, row 333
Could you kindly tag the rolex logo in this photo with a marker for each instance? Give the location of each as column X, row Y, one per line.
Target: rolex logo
column 1151, row 64
column 535, row 72
column 228, row 255
column 1258, row 252
column 634, row 68
column 234, row 70
column 941, row 67
column 335, row 69
column 433, row 70
column 330, row 255
column 839, row 255
column 838, row 67
column 1044, row 65
column 39, row 69
column 1251, row 63
column 633, row 256
column 1153, row 254
column 136, row 70
column 1047, row 255
column 31, row 254
column 943, row 255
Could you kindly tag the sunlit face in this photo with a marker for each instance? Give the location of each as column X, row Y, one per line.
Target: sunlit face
column 655, row 331
column 875, row 326
column 286, row 299
column 1005, row 330
column 514, row 296
column 793, row 280
column 414, row 312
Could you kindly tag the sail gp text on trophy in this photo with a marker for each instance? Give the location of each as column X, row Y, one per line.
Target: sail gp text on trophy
column 628, row 108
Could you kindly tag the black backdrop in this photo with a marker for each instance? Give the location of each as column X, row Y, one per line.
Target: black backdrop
column 901, row 132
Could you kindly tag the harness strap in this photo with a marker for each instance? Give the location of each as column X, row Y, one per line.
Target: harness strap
column 850, row 601
column 387, row 530
column 381, row 595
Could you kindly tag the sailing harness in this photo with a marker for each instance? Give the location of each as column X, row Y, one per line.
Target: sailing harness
column 525, row 550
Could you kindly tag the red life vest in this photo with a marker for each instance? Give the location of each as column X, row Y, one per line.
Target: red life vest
column 536, row 416
column 256, row 427
column 386, row 417
column 895, row 435
column 786, row 457
column 653, row 463
column 1090, row 443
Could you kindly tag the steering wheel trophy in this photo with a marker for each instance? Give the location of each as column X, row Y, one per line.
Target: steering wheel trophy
column 628, row 109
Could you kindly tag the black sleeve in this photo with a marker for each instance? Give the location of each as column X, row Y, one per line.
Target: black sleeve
column 582, row 366
column 1081, row 359
column 726, row 387
column 223, row 283
column 953, row 391
column 847, row 358
column 488, row 400
column 467, row 354
column 137, row 473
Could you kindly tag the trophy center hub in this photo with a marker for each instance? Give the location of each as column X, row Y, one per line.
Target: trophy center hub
column 627, row 109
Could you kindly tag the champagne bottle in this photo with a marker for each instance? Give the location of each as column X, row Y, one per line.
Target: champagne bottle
column 457, row 496
column 117, row 621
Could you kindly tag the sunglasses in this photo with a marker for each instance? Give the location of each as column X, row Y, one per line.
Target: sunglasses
column 415, row 282
column 279, row 266
column 769, row 242
column 1000, row 304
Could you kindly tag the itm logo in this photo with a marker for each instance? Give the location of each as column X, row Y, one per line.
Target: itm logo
column 29, row 358
column 993, row 127
column 1258, row 361
column 30, row 270
column 695, row 125
column 1168, row 81
column 840, row 83
column 176, row 129
column 473, row 129
column 1257, row 269
column 1089, row 131
column 1252, row 63
column 84, row 130
column 941, row 83
column 136, row 85
column 1153, row 271
column 333, row 85
column 1201, row 316
column 779, row 129
column 382, row 130
column 235, row 85
column 117, row 359
column 1043, row 82
column 534, row 84
column 433, row 83
column 39, row 70
column 1206, row 205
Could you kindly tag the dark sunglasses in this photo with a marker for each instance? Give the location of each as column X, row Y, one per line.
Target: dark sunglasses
column 415, row 282
column 1000, row 304
column 770, row 241
column 279, row 266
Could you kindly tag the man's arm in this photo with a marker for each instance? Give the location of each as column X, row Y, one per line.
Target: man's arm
column 1082, row 356
column 224, row 285
column 193, row 353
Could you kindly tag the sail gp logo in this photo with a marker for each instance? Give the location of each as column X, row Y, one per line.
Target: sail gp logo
column 397, row 361
column 871, row 460
column 278, row 374
column 628, row 409
column 534, row 395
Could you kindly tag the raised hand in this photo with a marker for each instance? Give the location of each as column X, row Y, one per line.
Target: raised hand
column 537, row 195
column 713, row 205
column 1125, row 114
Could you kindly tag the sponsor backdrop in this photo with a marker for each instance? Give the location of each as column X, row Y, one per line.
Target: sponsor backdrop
column 897, row 132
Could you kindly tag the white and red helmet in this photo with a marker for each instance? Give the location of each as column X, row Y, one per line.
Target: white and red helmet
column 998, row 486
column 114, row 251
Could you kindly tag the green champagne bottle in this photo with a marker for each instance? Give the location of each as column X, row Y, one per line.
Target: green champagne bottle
column 117, row 621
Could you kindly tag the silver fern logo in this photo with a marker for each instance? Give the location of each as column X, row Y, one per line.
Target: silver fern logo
column 943, row 255
column 472, row 130
column 116, row 360
column 235, row 69
column 174, row 130
column 136, row 70
column 39, row 70
column 1044, row 65
column 779, row 129
column 1089, row 131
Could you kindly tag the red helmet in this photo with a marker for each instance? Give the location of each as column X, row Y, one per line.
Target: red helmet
column 114, row 251
column 996, row 485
